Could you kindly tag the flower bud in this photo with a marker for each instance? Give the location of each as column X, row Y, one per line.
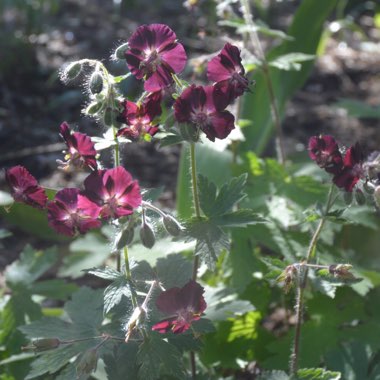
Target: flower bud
column 368, row 187
column 124, row 237
column 88, row 362
column 359, row 197
column 94, row 108
column 347, row 197
column 108, row 117
column 45, row 344
column 376, row 196
column 171, row 225
column 120, row 51
column 147, row 235
column 96, row 82
column 73, row 70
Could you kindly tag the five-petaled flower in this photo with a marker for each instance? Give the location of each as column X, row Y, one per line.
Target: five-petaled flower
column 140, row 117
column 113, row 190
column 183, row 305
column 81, row 151
column 67, row 216
column 155, row 55
column 203, row 107
column 352, row 169
column 25, row 188
column 347, row 170
column 228, row 72
column 324, row 150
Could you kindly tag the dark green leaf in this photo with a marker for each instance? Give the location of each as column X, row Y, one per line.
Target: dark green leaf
column 207, row 194
column 106, row 273
column 115, row 291
column 55, row 289
column 273, row 375
column 155, row 355
column 239, row 218
column 174, row 270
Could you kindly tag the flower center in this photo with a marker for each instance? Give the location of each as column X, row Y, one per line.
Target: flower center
column 200, row 119
column 151, row 62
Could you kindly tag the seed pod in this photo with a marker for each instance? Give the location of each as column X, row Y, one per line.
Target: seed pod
column 347, row 196
column 171, row 225
column 376, row 196
column 108, row 117
column 73, row 70
column 124, row 237
column 120, row 51
column 46, row 344
column 94, row 108
column 359, row 197
column 96, row 83
column 147, row 235
column 88, row 362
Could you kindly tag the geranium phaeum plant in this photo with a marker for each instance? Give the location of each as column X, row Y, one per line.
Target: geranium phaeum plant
column 80, row 149
column 113, row 190
column 183, row 306
column 25, row 188
column 155, row 55
column 68, row 217
column 228, row 72
column 204, row 109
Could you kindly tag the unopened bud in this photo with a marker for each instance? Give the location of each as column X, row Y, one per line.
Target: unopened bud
column 359, row 197
column 376, row 196
column 94, row 108
column 341, row 271
column 45, row 344
column 369, row 188
column 88, row 362
column 171, row 225
column 108, row 117
column 124, row 237
column 137, row 318
column 147, row 235
column 73, row 70
column 347, row 197
column 96, row 82
column 120, row 51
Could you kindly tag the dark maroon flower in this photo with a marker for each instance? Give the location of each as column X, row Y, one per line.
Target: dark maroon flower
column 203, row 107
column 81, row 151
column 113, row 190
column 352, row 169
column 154, row 55
column 66, row 215
column 325, row 152
column 25, row 188
column 227, row 71
column 184, row 305
column 140, row 117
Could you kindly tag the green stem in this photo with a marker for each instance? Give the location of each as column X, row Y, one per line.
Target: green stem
column 265, row 68
column 128, row 275
column 197, row 209
column 294, row 357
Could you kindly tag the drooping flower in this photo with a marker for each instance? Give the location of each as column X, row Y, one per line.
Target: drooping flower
column 67, row 216
column 352, row 169
column 154, row 55
column 140, row 117
column 113, row 190
column 81, row 150
column 228, row 72
column 203, row 107
column 183, row 305
column 25, row 188
column 324, row 150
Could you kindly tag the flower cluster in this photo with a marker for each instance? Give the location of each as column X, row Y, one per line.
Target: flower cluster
column 347, row 169
column 155, row 55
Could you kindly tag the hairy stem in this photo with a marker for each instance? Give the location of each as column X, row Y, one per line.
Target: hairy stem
column 194, row 183
column 265, row 68
column 301, row 285
column 128, row 275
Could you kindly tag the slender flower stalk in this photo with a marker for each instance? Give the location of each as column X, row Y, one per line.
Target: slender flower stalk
column 128, row 275
column 301, row 284
column 265, row 67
